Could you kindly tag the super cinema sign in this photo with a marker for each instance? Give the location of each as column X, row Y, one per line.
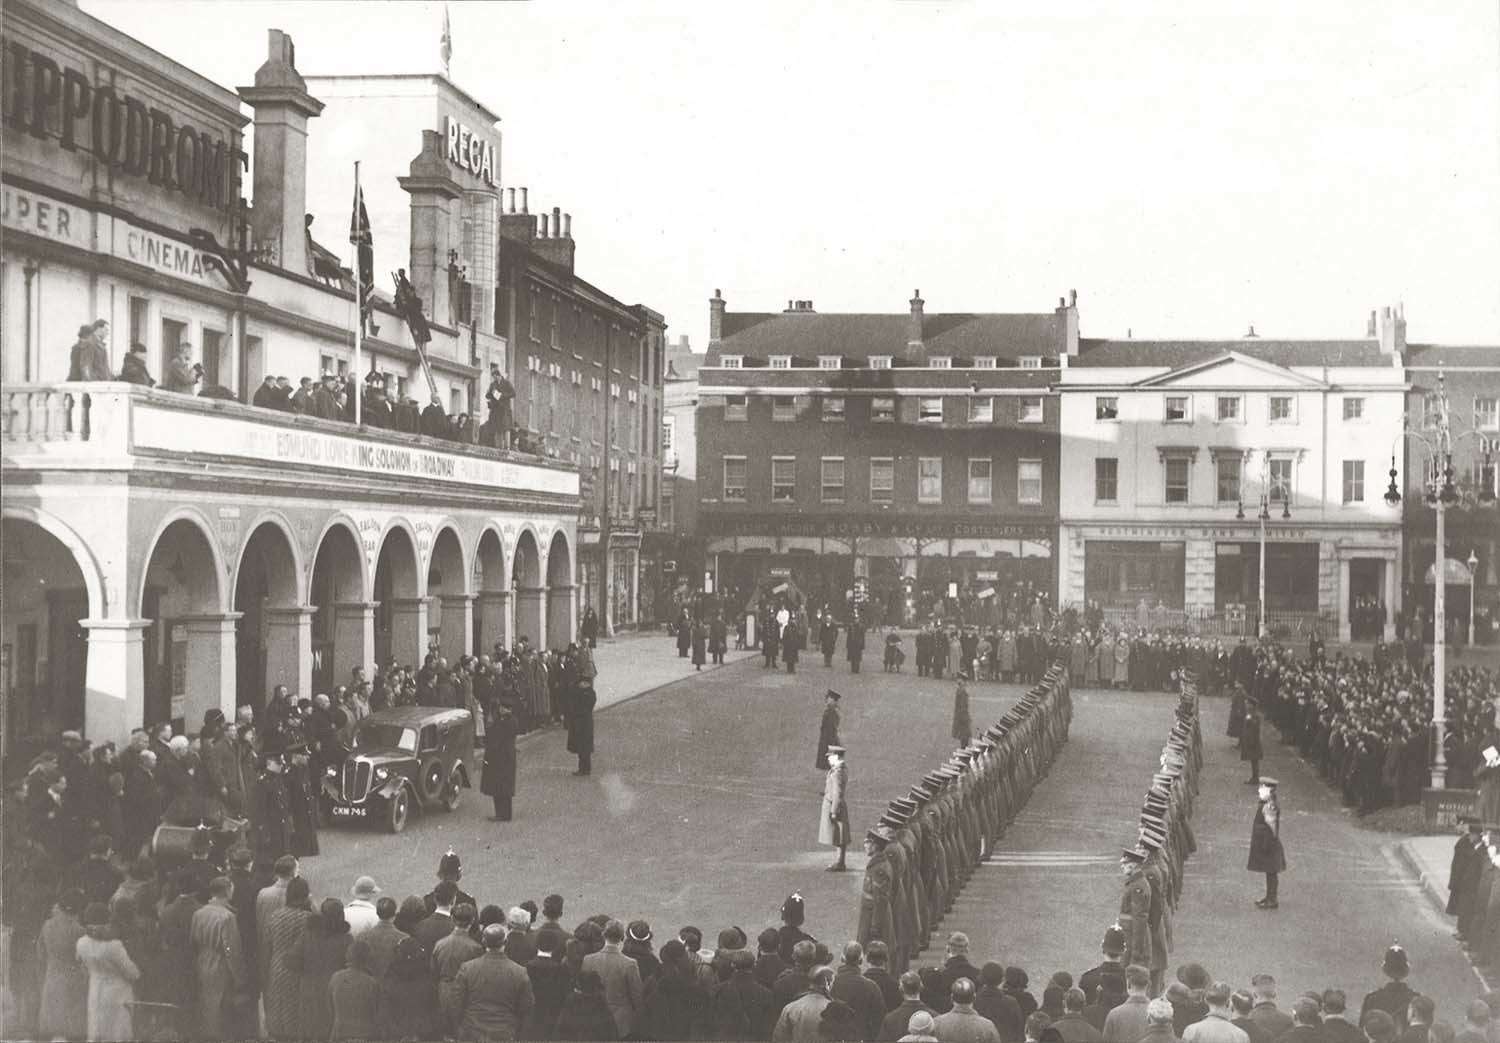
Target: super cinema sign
column 47, row 100
column 469, row 151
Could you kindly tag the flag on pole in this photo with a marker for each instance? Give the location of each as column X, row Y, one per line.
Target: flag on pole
column 359, row 234
column 447, row 47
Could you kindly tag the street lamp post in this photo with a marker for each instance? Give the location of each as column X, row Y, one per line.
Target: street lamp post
column 1473, row 564
column 1441, row 494
column 1262, row 628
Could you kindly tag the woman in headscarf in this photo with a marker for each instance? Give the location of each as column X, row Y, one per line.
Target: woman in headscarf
column 111, row 974
column 325, row 951
column 282, row 990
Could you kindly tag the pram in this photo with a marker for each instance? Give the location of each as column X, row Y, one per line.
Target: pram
column 894, row 656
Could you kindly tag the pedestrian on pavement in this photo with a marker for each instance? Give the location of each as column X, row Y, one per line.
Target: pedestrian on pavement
column 718, row 639
column 833, row 827
column 700, row 644
column 1266, row 853
column 498, row 780
column 581, row 729
column 828, row 730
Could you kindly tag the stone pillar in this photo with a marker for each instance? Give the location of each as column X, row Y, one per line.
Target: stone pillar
column 114, row 679
column 529, row 620
column 1389, row 574
column 457, row 626
column 289, row 651
column 494, row 611
column 1345, row 630
column 211, row 675
column 562, row 618
column 409, row 630
column 353, row 637
column 434, row 199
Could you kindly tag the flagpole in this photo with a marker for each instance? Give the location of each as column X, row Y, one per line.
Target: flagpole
column 359, row 313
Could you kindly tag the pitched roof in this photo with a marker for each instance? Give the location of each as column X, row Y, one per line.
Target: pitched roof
column 810, row 334
column 1457, row 355
column 1175, row 354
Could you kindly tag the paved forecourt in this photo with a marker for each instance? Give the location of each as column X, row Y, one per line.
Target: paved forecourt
column 703, row 806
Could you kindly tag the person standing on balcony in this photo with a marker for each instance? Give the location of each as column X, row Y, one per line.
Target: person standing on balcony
column 498, row 399
column 181, row 374
column 134, row 370
column 90, row 358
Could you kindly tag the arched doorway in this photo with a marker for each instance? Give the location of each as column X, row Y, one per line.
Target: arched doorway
column 450, row 605
column 342, row 634
column 42, row 607
column 560, row 615
column 266, row 597
column 400, row 608
column 526, row 585
column 491, row 593
column 190, row 641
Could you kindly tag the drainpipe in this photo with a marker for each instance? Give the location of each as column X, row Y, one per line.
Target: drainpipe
column 31, row 270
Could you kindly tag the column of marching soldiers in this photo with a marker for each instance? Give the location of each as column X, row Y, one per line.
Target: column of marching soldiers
column 926, row 845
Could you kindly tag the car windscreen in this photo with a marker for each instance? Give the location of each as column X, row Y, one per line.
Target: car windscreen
column 386, row 736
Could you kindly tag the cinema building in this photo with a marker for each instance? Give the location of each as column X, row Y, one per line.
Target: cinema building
column 166, row 553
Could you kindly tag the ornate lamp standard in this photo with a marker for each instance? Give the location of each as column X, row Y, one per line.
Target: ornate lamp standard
column 1473, row 564
column 1441, row 493
column 1266, row 496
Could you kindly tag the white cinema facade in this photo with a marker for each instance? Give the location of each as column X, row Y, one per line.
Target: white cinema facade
column 165, row 554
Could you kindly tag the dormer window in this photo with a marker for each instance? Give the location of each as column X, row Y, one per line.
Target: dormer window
column 731, row 361
column 880, row 362
column 940, row 362
column 1030, row 361
column 830, row 361
column 984, row 362
column 781, row 362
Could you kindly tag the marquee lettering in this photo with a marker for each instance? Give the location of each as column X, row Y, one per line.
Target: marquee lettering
column 468, row 151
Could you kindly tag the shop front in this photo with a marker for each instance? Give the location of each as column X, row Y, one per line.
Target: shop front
column 898, row 572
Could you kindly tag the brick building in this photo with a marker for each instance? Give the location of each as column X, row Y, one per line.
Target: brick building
column 1472, row 379
column 575, row 348
column 909, row 459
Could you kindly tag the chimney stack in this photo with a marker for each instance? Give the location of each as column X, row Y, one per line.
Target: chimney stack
column 1067, row 324
column 433, row 207
column 518, row 227
column 282, row 108
column 1391, row 330
column 1370, row 330
column 512, row 193
column 543, row 233
column 914, row 343
column 567, row 226
column 553, row 246
column 1251, row 334
column 523, row 202
column 715, row 320
column 557, row 222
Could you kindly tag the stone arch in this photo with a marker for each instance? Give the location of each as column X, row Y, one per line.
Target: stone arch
column 340, row 632
column 491, row 586
column 189, row 648
column 400, row 600
column 47, row 596
column 450, row 597
column 88, row 566
column 268, row 598
column 527, row 589
column 560, row 614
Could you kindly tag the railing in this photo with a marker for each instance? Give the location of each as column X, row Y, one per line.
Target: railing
column 44, row 413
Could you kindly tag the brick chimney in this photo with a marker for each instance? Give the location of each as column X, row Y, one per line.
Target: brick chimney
column 1067, row 325
column 1392, row 331
column 517, row 225
column 278, row 220
column 715, row 319
column 553, row 245
column 914, row 342
column 1370, row 330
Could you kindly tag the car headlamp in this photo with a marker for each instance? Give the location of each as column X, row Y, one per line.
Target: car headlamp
column 331, row 772
column 382, row 773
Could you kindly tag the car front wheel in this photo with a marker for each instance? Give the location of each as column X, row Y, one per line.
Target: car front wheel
column 398, row 810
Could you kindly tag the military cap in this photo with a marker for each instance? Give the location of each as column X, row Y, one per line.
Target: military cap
column 1266, row 780
column 922, row 792
column 901, row 803
column 831, row 694
column 964, row 755
column 892, row 820
column 1149, row 843
column 1132, row 854
column 881, row 835
column 949, row 771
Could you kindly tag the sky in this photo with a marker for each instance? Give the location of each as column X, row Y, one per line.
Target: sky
column 1189, row 168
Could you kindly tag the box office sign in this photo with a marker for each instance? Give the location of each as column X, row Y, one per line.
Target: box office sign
column 274, row 446
column 840, row 527
column 50, row 100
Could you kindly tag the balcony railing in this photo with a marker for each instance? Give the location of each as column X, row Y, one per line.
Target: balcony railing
column 44, row 425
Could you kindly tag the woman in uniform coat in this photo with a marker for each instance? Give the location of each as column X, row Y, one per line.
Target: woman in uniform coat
column 833, row 826
column 498, row 781
column 1250, row 740
column 1266, row 853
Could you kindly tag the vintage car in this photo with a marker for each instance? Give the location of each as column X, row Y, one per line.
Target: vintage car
column 409, row 756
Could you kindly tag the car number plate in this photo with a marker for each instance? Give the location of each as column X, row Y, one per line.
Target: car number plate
column 349, row 811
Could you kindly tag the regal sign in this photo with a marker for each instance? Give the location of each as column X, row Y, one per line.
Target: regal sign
column 832, row 526
column 469, row 151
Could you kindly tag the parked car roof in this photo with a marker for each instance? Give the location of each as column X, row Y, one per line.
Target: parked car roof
column 416, row 716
